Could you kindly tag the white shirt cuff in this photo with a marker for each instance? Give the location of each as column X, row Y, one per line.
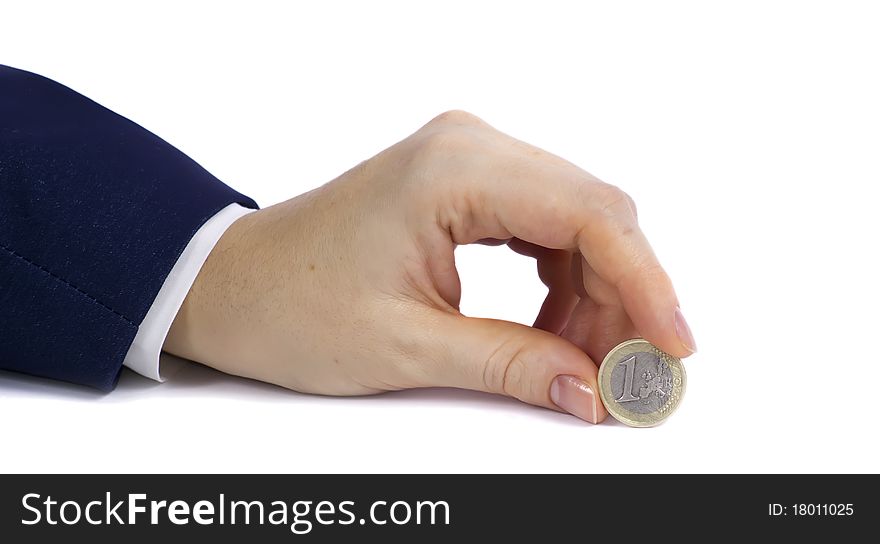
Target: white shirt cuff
column 143, row 355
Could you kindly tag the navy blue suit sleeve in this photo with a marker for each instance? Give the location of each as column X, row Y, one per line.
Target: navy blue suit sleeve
column 94, row 212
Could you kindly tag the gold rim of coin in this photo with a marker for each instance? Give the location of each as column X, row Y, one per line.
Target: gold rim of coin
column 627, row 417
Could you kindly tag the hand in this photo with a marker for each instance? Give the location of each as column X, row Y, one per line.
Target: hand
column 351, row 289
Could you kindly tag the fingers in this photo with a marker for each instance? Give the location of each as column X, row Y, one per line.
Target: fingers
column 555, row 311
column 599, row 321
column 512, row 189
column 605, row 231
column 506, row 358
column 554, row 269
column 596, row 329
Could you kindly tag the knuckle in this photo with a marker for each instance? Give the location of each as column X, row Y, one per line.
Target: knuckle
column 505, row 370
column 613, row 206
column 515, row 377
column 455, row 117
column 442, row 141
column 446, row 135
column 610, row 198
column 612, row 215
column 632, row 205
column 436, row 147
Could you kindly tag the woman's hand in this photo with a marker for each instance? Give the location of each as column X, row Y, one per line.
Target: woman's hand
column 352, row 289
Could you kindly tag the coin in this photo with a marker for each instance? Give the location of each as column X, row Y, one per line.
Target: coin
column 639, row 384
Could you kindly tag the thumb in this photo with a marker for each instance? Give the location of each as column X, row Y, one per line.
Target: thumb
column 510, row 359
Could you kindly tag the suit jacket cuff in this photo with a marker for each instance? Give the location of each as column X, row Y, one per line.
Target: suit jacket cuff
column 143, row 355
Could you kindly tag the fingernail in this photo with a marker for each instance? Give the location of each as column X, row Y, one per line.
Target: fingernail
column 684, row 332
column 575, row 396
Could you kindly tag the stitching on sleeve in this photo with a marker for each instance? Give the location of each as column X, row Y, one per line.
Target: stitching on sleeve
column 68, row 284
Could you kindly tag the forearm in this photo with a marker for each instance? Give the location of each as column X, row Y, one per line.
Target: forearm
column 94, row 213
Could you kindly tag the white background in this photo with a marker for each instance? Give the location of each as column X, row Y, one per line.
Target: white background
column 748, row 133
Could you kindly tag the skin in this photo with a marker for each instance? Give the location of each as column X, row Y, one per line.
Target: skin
column 351, row 289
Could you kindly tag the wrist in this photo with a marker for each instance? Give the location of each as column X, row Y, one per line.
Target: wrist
column 203, row 324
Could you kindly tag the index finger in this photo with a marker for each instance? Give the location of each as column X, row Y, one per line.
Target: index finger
column 536, row 196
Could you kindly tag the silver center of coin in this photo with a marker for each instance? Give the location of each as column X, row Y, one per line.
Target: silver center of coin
column 641, row 383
